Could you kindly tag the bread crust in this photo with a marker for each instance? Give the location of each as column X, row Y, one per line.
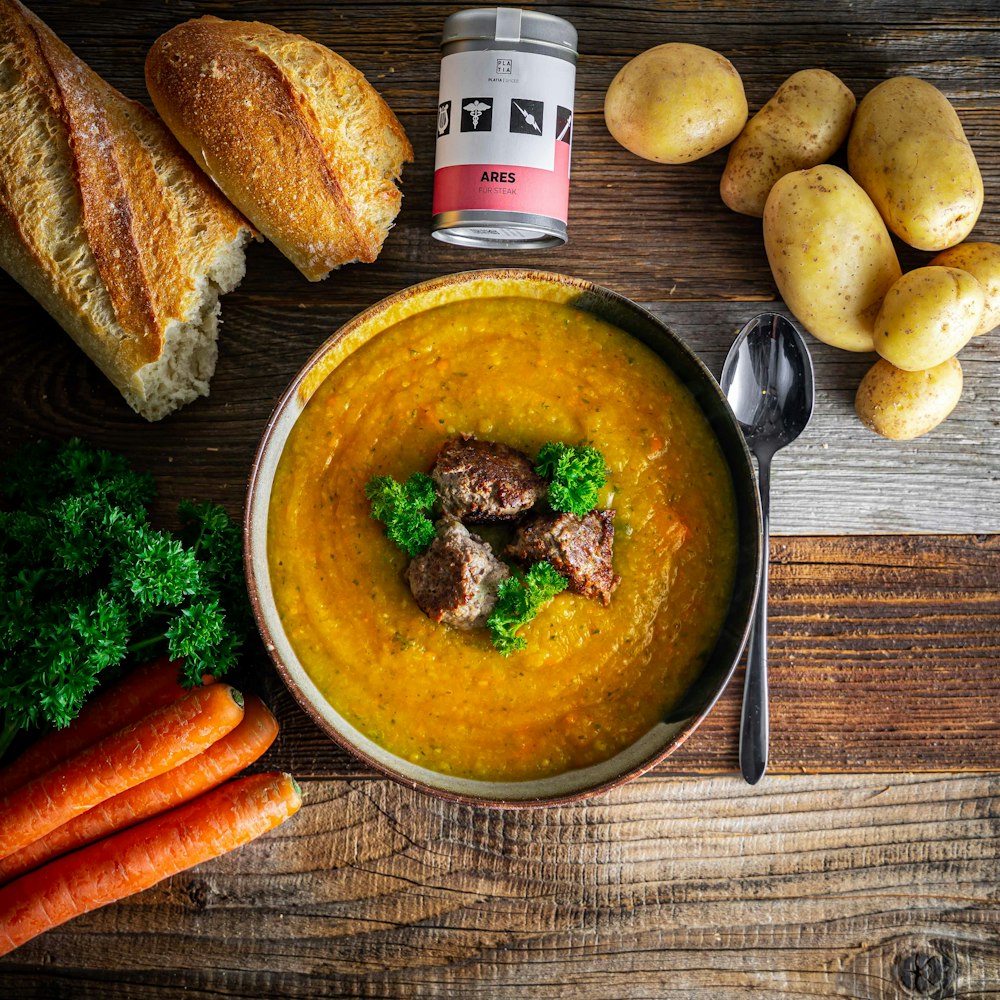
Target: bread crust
column 292, row 133
column 103, row 217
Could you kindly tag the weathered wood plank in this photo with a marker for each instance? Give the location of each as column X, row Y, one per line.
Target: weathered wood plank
column 636, row 225
column 884, row 656
column 837, row 478
column 853, row 621
column 884, row 650
column 705, row 888
column 654, row 232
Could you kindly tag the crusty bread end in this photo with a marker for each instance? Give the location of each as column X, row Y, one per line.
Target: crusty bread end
column 105, row 220
column 190, row 343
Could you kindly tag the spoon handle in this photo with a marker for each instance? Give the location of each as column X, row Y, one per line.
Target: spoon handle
column 755, row 723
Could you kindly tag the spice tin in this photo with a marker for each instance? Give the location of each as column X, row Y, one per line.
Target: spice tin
column 504, row 129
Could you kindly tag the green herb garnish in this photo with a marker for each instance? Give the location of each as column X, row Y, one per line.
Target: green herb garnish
column 400, row 507
column 576, row 476
column 519, row 599
column 86, row 583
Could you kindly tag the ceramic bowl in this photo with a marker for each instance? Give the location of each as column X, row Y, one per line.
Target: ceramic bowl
column 667, row 734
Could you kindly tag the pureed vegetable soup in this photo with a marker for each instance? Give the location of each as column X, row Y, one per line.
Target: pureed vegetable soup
column 593, row 679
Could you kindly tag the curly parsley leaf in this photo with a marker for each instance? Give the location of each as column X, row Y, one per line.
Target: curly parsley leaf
column 519, row 599
column 576, row 476
column 37, row 475
column 199, row 635
column 218, row 543
column 157, row 569
column 401, row 506
column 86, row 583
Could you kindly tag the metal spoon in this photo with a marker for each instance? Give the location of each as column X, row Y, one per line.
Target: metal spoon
column 768, row 380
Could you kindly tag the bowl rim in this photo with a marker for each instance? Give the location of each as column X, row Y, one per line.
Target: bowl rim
column 254, row 500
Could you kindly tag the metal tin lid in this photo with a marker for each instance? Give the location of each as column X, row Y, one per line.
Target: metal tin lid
column 509, row 24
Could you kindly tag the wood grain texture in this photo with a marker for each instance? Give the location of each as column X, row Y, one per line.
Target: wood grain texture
column 884, row 656
column 695, row 890
column 838, row 478
column 635, row 225
column 885, row 648
column 658, row 233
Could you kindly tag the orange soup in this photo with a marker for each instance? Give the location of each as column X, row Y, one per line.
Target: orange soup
column 593, row 679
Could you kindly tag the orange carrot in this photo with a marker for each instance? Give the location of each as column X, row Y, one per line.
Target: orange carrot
column 159, row 742
column 135, row 695
column 136, row 858
column 211, row 767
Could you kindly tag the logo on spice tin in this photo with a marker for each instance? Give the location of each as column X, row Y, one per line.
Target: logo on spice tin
column 526, row 117
column 505, row 67
column 477, row 114
column 444, row 118
column 564, row 124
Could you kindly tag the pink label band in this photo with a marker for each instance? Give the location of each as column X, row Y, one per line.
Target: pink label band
column 489, row 186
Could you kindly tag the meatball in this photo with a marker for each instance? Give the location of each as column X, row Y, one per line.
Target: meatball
column 455, row 581
column 485, row 483
column 577, row 547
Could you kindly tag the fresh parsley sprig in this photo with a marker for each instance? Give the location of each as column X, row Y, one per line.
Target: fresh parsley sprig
column 401, row 508
column 519, row 599
column 576, row 476
column 86, row 582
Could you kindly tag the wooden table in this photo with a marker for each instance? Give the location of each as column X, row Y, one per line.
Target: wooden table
column 866, row 864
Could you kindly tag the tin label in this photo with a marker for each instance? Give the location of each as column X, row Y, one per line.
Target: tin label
column 504, row 133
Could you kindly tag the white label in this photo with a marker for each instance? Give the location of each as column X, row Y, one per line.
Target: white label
column 500, row 106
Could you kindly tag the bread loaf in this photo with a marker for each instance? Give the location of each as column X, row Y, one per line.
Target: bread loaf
column 105, row 220
column 294, row 135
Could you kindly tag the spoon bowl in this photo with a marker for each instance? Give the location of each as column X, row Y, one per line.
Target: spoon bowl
column 768, row 381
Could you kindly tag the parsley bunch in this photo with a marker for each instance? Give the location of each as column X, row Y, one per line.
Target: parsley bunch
column 519, row 599
column 576, row 476
column 85, row 582
column 401, row 506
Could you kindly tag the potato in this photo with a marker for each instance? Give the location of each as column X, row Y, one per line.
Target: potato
column 903, row 405
column 982, row 261
column 801, row 126
column 908, row 151
column 830, row 254
column 676, row 103
column 928, row 316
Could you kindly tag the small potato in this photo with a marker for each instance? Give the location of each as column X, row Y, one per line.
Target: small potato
column 928, row 316
column 908, row 151
column 830, row 253
column 903, row 405
column 802, row 125
column 982, row 261
column 675, row 103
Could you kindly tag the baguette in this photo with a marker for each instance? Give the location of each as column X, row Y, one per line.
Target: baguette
column 293, row 134
column 105, row 220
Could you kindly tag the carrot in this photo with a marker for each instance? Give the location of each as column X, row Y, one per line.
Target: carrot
column 134, row 859
column 135, row 695
column 211, row 767
column 159, row 742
